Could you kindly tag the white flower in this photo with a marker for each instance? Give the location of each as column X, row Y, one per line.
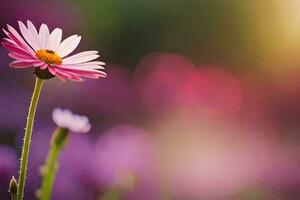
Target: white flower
column 64, row 118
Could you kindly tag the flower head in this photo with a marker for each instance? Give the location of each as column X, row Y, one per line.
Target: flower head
column 45, row 51
column 66, row 119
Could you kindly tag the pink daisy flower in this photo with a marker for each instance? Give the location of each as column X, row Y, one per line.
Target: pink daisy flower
column 49, row 55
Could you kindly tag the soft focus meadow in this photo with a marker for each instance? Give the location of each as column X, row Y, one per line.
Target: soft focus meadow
column 201, row 101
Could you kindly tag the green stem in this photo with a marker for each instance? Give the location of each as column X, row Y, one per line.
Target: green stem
column 27, row 137
column 49, row 170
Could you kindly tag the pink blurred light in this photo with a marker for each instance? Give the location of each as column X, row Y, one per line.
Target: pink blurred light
column 211, row 90
column 205, row 159
column 158, row 77
column 284, row 170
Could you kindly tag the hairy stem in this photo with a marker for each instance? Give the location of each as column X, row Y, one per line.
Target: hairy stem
column 49, row 170
column 27, row 137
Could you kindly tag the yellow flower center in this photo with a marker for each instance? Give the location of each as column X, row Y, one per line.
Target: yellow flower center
column 48, row 56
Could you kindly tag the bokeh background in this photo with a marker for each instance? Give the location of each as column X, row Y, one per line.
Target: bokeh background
column 201, row 102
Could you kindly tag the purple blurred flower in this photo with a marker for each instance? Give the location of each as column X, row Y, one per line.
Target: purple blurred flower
column 12, row 102
column 110, row 97
column 74, row 166
column 126, row 160
column 8, row 168
column 74, row 177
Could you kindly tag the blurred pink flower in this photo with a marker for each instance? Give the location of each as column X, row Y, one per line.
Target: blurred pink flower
column 284, row 170
column 126, row 159
column 8, row 168
column 44, row 50
column 211, row 159
column 211, row 90
column 158, row 78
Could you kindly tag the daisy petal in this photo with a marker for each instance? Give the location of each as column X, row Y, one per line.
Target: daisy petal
column 84, row 72
column 52, row 70
column 34, row 33
column 15, row 36
column 21, row 64
column 28, row 37
column 88, row 65
column 20, row 57
column 79, row 55
column 40, row 64
column 68, row 45
column 15, row 49
column 64, row 75
column 55, row 39
column 68, row 75
column 10, row 41
column 43, row 66
column 80, row 59
column 93, row 63
column 44, row 36
column 71, row 47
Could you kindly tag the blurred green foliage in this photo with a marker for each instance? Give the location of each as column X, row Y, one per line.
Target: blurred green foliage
column 204, row 30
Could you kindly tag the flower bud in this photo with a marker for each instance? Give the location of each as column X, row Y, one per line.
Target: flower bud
column 13, row 188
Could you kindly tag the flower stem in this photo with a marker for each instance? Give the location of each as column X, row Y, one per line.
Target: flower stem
column 27, row 137
column 49, row 170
